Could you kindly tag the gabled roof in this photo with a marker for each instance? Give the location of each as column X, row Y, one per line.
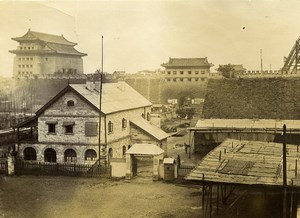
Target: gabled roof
column 151, row 129
column 145, row 149
column 45, row 37
column 115, row 97
column 187, row 62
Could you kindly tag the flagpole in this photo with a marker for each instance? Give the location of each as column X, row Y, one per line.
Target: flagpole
column 100, row 99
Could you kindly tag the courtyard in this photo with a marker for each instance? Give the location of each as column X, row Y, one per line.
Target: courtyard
column 44, row 196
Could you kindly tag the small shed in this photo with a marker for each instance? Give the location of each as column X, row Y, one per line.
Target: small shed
column 169, row 169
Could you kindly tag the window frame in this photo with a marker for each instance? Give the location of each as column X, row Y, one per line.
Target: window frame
column 124, row 123
column 110, row 126
column 53, row 125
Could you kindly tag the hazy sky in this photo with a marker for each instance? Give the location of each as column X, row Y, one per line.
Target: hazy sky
column 142, row 35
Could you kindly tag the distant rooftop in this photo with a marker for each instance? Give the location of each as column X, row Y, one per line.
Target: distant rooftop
column 187, row 62
column 46, row 37
column 55, row 43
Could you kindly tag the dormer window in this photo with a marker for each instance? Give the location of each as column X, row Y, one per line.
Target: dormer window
column 70, row 103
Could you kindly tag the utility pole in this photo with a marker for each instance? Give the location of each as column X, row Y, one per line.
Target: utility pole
column 284, row 203
column 261, row 61
column 100, row 100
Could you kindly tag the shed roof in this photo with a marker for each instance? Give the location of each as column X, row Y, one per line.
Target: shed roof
column 247, row 123
column 247, row 163
column 151, row 129
column 115, row 97
column 145, row 149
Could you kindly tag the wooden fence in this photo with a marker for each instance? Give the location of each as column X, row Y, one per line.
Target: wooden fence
column 61, row 169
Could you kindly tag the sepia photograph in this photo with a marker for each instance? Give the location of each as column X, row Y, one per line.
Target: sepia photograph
column 149, row 109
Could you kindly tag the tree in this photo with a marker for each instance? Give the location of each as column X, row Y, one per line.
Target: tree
column 186, row 112
column 227, row 70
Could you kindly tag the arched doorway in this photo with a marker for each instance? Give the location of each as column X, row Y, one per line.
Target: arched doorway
column 90, row 155
column 29, row 153
column 50, row 155
column 70, row 156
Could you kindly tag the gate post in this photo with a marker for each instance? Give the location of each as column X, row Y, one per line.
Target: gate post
column 128, row 166
column 10, row 165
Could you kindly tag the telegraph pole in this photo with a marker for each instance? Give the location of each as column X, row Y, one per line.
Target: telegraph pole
column 261, row 61
column 100, row 99
column 284, row 203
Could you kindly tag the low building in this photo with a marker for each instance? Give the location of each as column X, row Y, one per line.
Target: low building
column 68, row 125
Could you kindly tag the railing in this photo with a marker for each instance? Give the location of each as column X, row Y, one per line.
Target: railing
column 185, row 169
column 61, row 169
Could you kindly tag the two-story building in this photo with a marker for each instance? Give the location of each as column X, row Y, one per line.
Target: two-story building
column 68, row 125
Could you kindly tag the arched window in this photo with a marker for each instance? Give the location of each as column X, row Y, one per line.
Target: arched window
column 110, row 127
column 70, row 103
column 29, row 153
column 50, row 155
column 124, row 150
column 70, row 156
column 124, row 123
column 90, row 154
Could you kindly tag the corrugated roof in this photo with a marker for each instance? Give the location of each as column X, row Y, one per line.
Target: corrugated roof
column 248, row 163
column 153, row 130
column 187, row 62
column 45, row 37
column 247, row 123
column 64, row 49
column 145, row 149
column 115, row 97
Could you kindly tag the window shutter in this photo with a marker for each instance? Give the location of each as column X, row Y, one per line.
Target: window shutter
column 91, row 128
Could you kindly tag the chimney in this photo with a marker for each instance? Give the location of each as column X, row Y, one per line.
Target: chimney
column 121, row 85
column 90, row 85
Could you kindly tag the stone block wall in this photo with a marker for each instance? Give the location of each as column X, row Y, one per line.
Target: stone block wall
column 260, row 98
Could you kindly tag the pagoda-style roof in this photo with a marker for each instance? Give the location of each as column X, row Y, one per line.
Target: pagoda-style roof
column 53, row 44
column 45, row 37
column 187, row 62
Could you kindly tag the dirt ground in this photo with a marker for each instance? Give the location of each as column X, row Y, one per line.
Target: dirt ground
column 39, row 196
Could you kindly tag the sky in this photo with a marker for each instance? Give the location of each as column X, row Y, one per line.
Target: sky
column 141, row 35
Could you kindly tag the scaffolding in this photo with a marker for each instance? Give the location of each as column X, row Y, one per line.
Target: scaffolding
column 291, row 63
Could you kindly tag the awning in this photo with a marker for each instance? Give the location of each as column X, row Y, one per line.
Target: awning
column 145, row 149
